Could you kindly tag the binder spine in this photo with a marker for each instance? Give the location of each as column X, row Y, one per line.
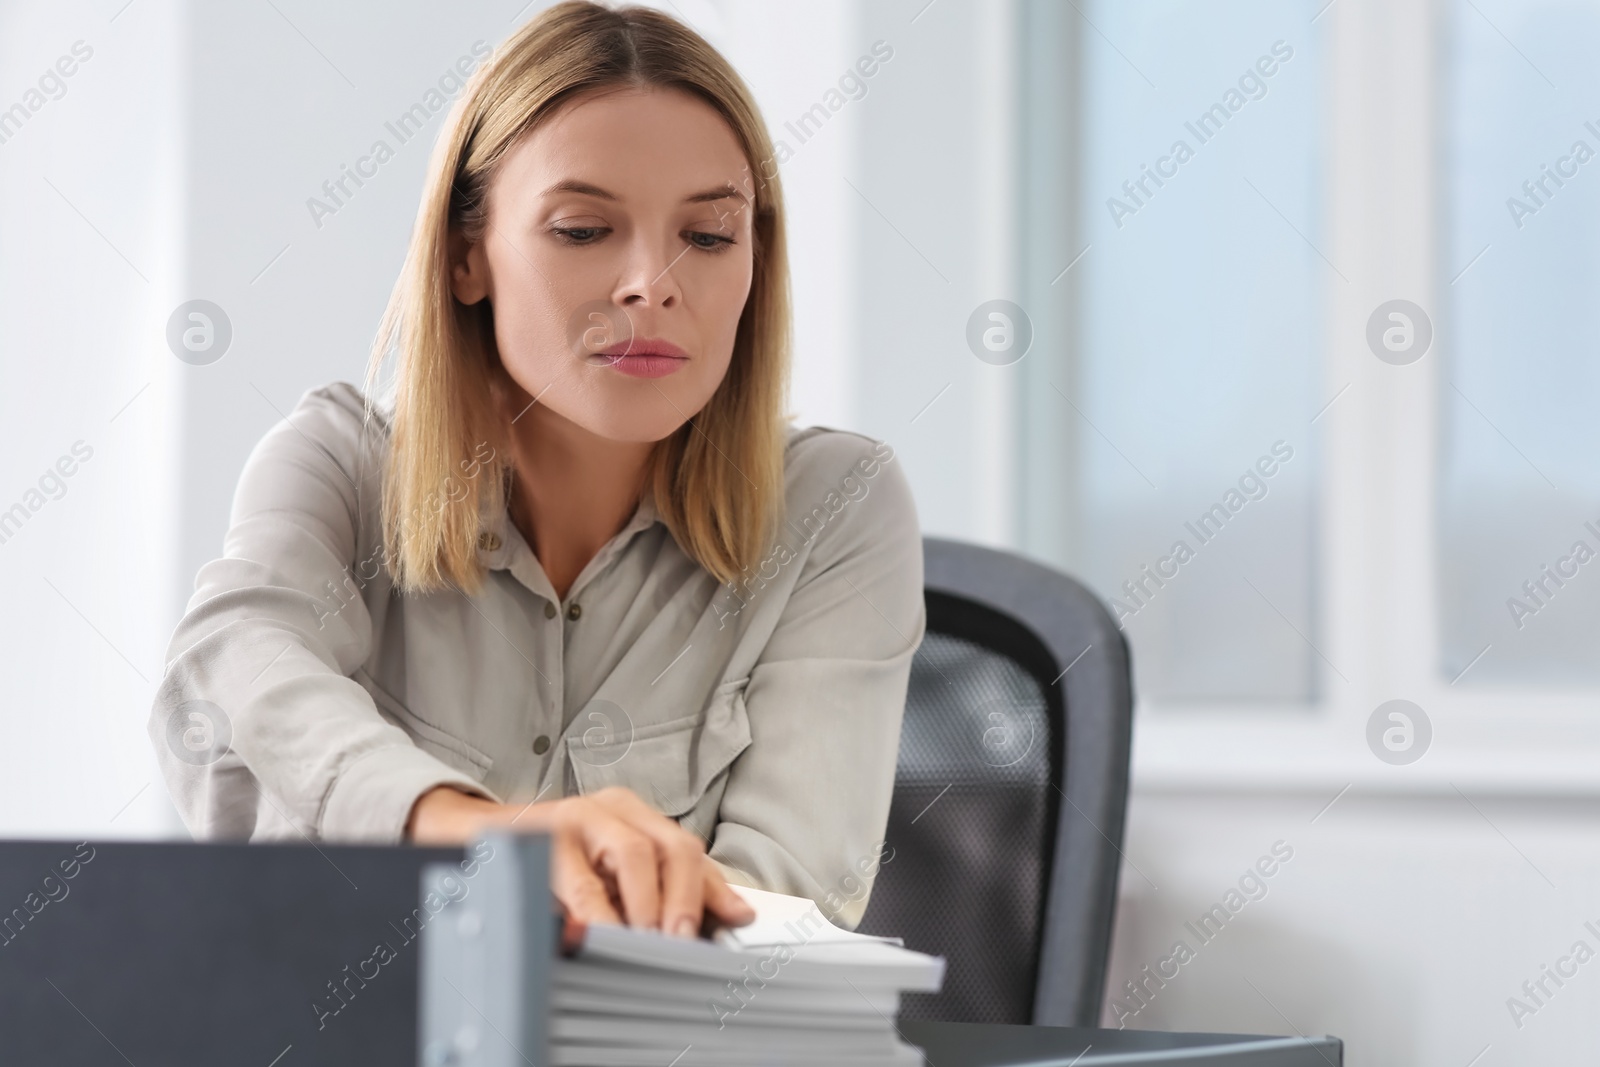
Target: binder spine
column 486, row 955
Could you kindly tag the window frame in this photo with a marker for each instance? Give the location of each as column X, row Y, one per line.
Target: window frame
column 1377, row 561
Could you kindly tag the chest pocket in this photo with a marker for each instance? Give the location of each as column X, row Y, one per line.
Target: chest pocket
column 450, row 749
column 669, row 764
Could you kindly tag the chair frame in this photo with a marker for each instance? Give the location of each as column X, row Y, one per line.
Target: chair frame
column 1093, row 694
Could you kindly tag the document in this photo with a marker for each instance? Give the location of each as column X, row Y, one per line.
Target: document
column 787, row 988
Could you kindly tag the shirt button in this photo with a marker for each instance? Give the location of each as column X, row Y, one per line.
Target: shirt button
column 574, row 611
column 549, row 610
column 489, row 541
column 541, row 745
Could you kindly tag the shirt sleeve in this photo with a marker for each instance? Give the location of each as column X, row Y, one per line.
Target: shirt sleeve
column 259, row 727
column 807, row 803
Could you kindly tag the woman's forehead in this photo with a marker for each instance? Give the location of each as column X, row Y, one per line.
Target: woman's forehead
column 657, row 134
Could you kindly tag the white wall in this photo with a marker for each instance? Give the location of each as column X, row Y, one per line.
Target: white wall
column 90, row 236
column 1401, row 924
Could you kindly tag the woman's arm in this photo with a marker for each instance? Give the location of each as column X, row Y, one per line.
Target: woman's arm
column 271, row 637
column 274, row 630
column 806, row 804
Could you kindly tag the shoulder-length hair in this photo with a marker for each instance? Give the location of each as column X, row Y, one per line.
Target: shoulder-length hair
column 717, row 482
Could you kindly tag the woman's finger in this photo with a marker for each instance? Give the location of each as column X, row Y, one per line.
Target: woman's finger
column 682, row 857
column 721, row 900
column 682, row 886
column 575, row 883
column 629, row 858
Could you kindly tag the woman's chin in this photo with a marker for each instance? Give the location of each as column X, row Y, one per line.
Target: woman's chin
column 644, row 424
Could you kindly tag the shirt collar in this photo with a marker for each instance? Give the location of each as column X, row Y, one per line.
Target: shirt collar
column 501, row 545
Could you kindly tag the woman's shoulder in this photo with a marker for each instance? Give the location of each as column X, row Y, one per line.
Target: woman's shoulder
column 817, row 450
column 329, row 445
column 336, row 420
column 343, row 408
column 826, row 469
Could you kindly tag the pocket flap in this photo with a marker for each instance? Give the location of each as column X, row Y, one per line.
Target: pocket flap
column 669, row 764
column 445, row 746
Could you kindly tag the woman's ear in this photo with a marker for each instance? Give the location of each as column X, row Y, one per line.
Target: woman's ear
column 469, row 269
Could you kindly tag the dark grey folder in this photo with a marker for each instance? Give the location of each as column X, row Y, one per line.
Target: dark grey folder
column 187, row 954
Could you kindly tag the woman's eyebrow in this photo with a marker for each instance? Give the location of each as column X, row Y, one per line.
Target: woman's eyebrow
column 721, row 192
column 573, row 185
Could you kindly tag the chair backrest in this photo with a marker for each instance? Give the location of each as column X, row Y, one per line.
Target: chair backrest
column 1006, row 824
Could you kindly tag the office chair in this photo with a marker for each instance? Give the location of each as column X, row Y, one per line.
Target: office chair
column 1006, row 823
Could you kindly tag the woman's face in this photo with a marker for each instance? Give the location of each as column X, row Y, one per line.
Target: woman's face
column 617, row 259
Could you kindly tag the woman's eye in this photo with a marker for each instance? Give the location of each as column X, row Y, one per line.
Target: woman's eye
column 579, row 235
column 709, row 242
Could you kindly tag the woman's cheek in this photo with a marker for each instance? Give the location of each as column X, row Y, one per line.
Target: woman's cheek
column 530, row 336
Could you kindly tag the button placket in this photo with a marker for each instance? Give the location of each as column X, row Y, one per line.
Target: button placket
column 526, row 568
column 523, row 567
column 556, row 686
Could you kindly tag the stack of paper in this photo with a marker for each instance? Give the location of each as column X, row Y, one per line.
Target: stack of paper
column 790, row 988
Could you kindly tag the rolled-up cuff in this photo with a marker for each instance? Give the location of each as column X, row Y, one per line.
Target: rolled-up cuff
column 372, row 799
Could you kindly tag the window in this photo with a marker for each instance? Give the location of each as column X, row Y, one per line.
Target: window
column 1519, row 495
column 1190, row 315
column 1181, row 337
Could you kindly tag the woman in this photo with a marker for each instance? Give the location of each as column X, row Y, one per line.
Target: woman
column 576, row 573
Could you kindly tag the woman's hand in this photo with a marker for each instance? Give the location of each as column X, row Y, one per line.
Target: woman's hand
column 613, row 857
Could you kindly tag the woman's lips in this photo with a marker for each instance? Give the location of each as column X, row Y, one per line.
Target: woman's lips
column 642, row 358
column 649, row 365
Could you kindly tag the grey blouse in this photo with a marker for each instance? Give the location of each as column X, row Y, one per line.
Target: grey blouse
column 305, row 698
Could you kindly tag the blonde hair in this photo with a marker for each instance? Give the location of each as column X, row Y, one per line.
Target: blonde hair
column 718, row 480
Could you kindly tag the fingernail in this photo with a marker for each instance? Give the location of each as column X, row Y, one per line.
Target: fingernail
column 686, row 927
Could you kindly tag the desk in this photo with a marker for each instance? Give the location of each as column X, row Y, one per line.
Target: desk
column 996, row 1045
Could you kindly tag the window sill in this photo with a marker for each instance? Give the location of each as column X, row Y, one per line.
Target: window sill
column 1481, row 745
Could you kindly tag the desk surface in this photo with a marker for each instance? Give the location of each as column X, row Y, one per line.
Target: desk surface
column 994, row 1045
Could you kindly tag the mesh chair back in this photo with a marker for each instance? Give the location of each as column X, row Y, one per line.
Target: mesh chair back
column 1006, row 824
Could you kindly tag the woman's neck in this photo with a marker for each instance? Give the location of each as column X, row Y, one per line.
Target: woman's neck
column 572, row 490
